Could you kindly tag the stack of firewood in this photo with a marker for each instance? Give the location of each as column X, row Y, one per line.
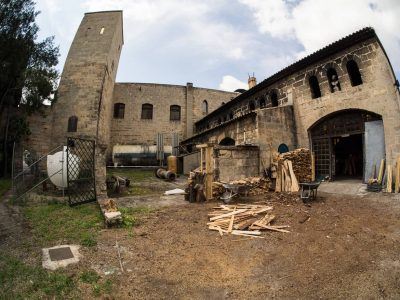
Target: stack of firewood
column 254, row 186
column 301, row 162
column 243, row 219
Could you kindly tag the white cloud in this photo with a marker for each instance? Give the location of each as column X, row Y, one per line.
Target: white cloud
column 316, row 23
column 230, row 83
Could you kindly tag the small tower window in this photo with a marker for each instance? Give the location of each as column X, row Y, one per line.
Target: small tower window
column 252, row 106
column 274, row 99
column 175, row 113
column 72, row 124
column 147, row 111
column 262, row 102
column 354, row 73
column 119, row 110
column 314, row 87
column 102, row 30
column 333, row 80
column 205, row 107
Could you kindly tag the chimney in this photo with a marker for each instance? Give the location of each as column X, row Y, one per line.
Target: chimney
column 252, row 81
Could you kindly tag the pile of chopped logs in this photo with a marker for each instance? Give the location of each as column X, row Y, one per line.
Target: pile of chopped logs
column 291, row 168
column 243, row 219
column 254, row 186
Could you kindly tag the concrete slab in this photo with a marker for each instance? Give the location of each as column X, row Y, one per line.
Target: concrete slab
column 344, row 187
column 60, row 256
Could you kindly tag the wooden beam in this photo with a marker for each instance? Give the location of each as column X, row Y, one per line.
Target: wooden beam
column 209, row 173
column 312, row 167
column 389, row 179
column 381, row 170
column 397, row 182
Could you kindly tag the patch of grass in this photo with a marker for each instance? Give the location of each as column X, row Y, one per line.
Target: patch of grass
column 5, row 185
column 89, row 277
column 102, row 288
column 21, row 281
column 131, row 216
column 59, row 223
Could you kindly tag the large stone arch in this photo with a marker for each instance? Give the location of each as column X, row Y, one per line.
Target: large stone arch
column 347, row 143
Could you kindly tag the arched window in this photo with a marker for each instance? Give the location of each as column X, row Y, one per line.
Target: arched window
column 119, row 110
column 354, row 73
column 274, row 99
column 175, row 113
column 72, row 124
column 333, row 80
column 205, row 107
column 252, row 106
column 314, row 87
column 147, row 111
column 262, row 102
column 227, row 141
column 283, row 148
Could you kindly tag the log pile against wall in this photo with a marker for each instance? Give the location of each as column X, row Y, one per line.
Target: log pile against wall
column 301, row 162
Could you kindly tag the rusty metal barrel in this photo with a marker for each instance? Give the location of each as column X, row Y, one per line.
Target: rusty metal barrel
column 172, row 163
column 164, row 174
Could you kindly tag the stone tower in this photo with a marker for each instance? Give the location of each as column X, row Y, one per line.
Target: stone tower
column 87, row 83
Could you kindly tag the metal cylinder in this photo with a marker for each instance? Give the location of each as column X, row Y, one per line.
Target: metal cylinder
column 172, row 163
column 164, row 174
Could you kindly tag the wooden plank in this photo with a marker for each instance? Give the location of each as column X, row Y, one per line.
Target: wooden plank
column 273, row 228
column 312, row 166
column 295, row 184
column 278, row 182
column 230, row 227
column 381, row 169
column 202, row 146
column 397, row 181
column 209, row 173
column 228, row 214
column 287, row 181
column 254, row 232
column 389, row 180
column 201, row 160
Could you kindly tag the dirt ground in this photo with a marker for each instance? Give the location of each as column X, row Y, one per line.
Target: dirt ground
column 339, row 247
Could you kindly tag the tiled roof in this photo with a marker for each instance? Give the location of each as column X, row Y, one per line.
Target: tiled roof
column 342, row 44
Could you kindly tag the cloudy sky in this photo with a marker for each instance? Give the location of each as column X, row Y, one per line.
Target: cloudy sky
column 217, row 43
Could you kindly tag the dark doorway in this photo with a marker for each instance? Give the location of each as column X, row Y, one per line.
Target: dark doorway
column 348, row 153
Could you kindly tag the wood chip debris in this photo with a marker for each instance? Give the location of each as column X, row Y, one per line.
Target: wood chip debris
column 243, row 219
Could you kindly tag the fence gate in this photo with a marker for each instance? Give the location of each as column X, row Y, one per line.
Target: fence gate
column 80, row 171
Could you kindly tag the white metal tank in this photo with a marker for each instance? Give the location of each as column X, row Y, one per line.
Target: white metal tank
column 57, row 167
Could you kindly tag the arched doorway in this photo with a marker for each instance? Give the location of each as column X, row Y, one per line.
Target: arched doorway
column 227, row 141
column 347, row 144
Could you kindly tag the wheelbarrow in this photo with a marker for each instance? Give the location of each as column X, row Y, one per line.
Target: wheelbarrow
column 233, row 190
column 309, row 190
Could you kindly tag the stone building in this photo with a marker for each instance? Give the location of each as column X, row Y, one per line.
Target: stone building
column 341, row 101
column 91, row 105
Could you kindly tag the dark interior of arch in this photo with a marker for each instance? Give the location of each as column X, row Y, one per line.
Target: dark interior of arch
column 314, row 87
column 274, row 99
column 354, row 73
column 227, row 141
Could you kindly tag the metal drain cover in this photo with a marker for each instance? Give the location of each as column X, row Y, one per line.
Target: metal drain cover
column 60, row 253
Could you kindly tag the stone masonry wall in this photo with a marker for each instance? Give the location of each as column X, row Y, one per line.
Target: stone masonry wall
column 133, row 130
column 87, row 83
column 235, row 162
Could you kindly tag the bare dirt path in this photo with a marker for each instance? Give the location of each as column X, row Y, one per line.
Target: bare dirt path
column 340, row 247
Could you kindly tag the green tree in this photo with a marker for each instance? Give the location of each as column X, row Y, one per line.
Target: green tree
column 28, row 77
